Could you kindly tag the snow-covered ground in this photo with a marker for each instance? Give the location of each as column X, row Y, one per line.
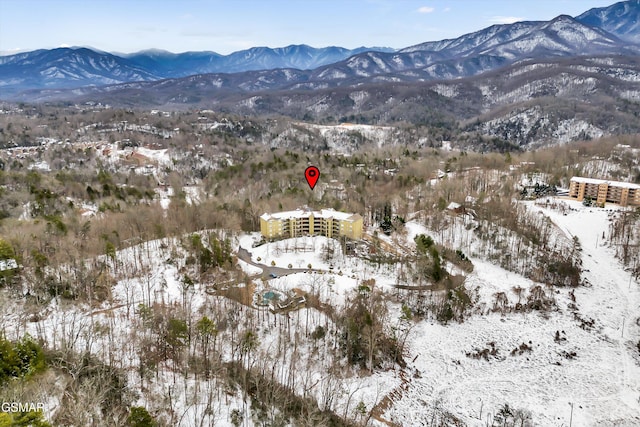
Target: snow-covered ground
column 299, row 252
column 343, row 137
column 192, row 195
column 602, row 382
column 579, row 357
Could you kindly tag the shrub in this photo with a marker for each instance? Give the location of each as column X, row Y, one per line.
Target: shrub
column 236, row 417
column 423, row 243
column 6, row 250
column 7, row 257
column 318, row 333
column 21, row 359
column 140, row 417
column 30, row 419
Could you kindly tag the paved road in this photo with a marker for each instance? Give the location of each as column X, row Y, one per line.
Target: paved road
column 267, row 270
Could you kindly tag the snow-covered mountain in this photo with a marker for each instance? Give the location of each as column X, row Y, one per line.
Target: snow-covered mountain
column 67, row 67
column 528, row 103
column 621, row 19
column 76, row 67
column 168, row 64
column 605, row 31
column 481, row 51
column 301, row 57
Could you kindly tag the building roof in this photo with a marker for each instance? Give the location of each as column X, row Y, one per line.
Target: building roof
column 332, row 213
column 604, row 181
column 8, row 264
column 305, row 213
column 298, row 213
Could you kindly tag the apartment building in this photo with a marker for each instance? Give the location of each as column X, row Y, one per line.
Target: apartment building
column 306, row 222
column 602, row 191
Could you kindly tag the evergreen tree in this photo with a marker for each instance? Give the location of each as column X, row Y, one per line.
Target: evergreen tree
column 140, row 417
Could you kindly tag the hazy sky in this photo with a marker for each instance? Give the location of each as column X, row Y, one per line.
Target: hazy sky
column 225, row 26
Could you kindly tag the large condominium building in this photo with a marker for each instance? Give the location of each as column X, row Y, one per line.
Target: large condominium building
column 303, row 222
column 601, row 191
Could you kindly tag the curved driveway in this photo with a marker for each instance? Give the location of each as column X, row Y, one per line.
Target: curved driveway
column 267, row 270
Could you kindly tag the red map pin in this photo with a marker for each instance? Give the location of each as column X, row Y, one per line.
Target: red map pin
column 312, row 174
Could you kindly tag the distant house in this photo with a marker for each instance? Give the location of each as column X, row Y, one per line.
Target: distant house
column 303, row 222
column 279, row 302
column 291, row 303
column 8, row 264
column 456, row 208
column 602, row 191
column 7, row 269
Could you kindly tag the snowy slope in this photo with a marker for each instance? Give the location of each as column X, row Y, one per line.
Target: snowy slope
column 621, row 19
column 581, row 353
column 602, row 382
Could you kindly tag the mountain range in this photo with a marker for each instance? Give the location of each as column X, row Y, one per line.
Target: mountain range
column 77, row 67
column 156, row 76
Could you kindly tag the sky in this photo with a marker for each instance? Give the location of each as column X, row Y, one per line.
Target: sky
column 225, row 26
